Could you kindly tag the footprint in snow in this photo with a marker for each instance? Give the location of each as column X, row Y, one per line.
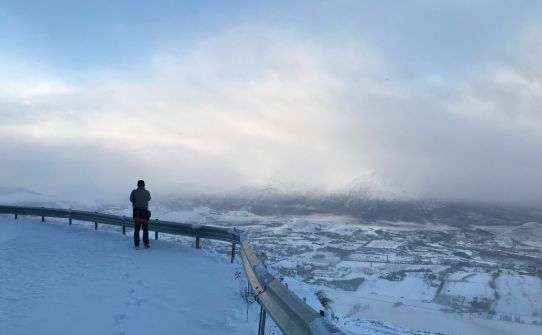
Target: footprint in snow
column 118, row 318
column 138, row 302
column 204, row 324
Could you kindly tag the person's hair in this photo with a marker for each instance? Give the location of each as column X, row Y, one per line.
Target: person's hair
column 140, row 183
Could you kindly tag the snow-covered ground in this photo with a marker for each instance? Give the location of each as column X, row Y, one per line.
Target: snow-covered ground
column 60, row 279
column 381, row 277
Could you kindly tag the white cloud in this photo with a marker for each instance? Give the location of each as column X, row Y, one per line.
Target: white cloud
column 251, row 105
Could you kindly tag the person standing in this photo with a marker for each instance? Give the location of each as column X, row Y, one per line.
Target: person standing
column 140, row 198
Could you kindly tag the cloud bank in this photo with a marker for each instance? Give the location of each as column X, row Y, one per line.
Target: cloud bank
column 251, row 106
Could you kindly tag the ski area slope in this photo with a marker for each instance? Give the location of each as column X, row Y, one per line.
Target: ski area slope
column 60, row 279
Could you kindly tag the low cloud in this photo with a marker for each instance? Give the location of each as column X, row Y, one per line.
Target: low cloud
column 252, row 106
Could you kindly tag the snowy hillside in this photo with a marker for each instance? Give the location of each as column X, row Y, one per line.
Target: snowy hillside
column 58, row 279
column 380, row 277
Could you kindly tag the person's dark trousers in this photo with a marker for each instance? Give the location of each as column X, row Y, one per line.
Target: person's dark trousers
column 141, row 218
column 145, row 227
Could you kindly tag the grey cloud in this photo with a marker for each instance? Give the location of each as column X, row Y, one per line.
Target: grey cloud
column 247, row 106
column 455, row 143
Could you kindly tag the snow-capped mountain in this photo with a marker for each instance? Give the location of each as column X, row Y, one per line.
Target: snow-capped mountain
column 374, row 187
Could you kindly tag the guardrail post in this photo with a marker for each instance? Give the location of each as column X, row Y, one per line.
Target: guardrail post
column 197, row 241
column 42, row 217
column 155, row 235
column 95, row 225
column 70, row 221
column 123, row 230
column 15, row 216
column 261, row 326
column 232, row 252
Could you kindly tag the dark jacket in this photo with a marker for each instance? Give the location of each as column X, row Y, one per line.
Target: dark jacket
column 140, row 198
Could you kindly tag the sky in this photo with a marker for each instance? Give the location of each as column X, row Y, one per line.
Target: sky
column 442, row 99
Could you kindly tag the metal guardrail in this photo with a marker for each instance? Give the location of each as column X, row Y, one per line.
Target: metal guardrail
column 291, row 314
column 176, row 228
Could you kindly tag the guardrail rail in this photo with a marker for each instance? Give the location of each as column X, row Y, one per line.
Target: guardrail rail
column 291, row 314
